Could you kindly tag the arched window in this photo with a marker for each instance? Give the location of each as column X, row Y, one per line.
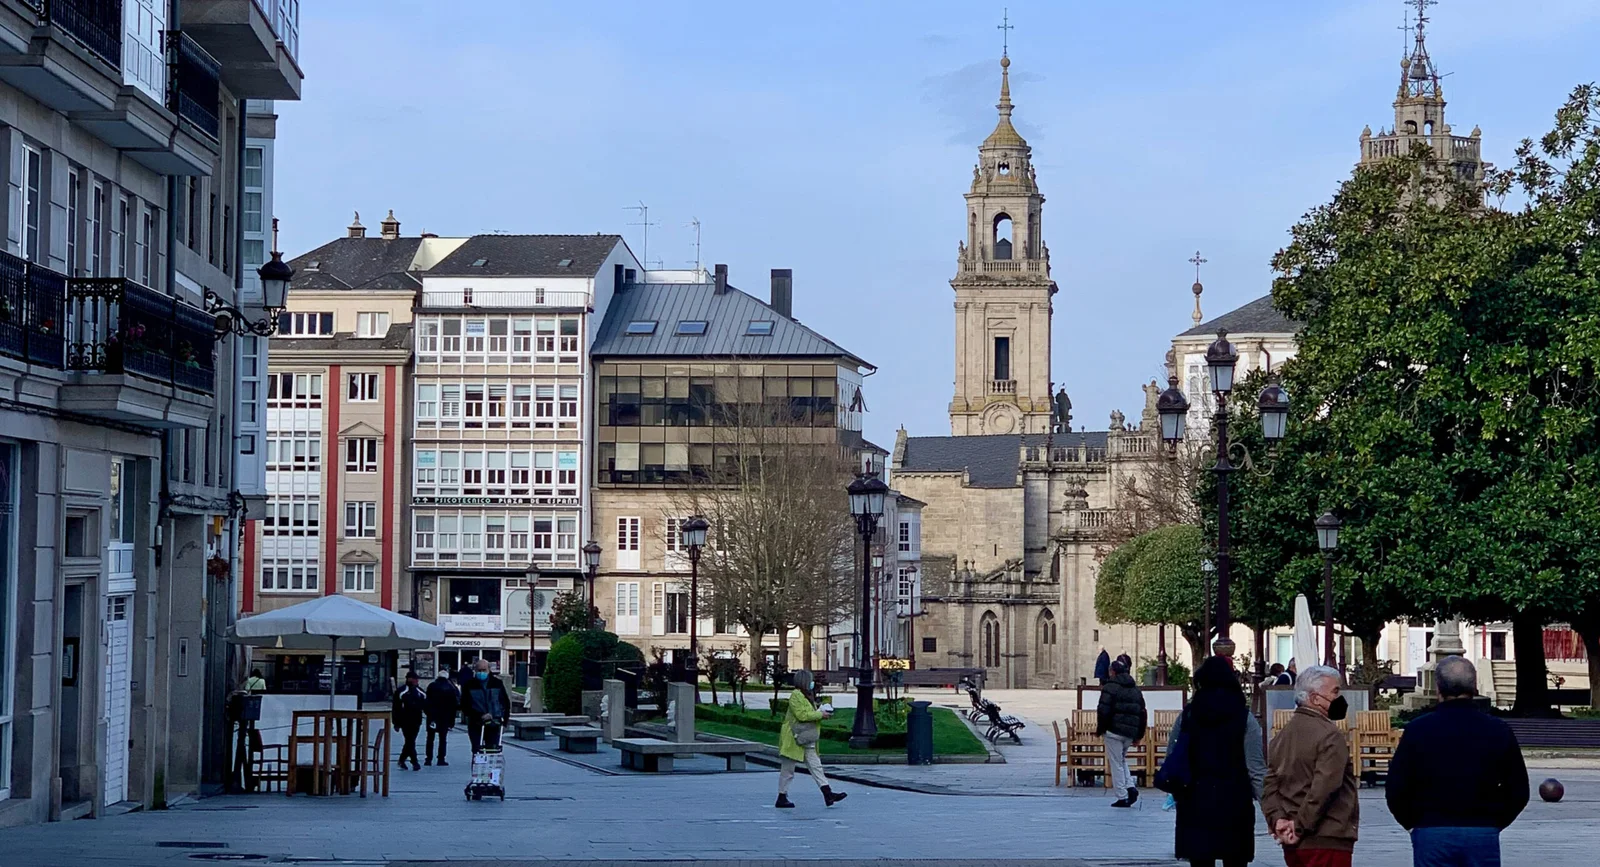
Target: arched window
column 989, row 641
column 1411, row 127
column 1002, row 236
column 1044, row 651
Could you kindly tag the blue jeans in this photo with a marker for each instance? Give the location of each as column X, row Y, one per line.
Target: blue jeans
column 1455, row 847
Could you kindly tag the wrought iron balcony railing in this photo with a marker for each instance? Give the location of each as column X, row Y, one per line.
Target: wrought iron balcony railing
column 194, row 84
column 95, row 24
column 118, row 326
column 32, row 310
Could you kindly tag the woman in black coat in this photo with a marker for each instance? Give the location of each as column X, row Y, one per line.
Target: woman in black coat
column 1227, row 765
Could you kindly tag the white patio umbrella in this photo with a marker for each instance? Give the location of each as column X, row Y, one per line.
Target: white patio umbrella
column 1305, row 634
column 335, row 623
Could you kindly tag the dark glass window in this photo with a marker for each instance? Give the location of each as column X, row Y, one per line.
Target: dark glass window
column 473, row 596
column 1002, row 358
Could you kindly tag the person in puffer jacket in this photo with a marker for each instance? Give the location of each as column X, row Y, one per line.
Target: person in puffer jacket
column 1121, row 722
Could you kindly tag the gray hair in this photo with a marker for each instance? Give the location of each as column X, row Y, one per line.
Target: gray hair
column 802, row 679
column 1309, row 679
column 1455, row 677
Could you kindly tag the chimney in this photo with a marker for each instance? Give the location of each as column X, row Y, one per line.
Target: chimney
column 721, row 279
column 783, row 292
column 618, row 275
column 390, row 227
column 356, row 230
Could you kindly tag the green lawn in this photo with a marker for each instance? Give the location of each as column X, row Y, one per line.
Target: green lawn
column 951, row 737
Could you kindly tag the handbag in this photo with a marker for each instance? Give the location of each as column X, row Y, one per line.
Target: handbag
column 806, row 734
column 1175, row 775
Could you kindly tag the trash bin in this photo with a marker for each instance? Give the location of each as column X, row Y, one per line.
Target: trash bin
column 919, row 734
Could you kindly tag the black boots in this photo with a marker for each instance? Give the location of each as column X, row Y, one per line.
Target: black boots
column 783, row 802
column 830, row 797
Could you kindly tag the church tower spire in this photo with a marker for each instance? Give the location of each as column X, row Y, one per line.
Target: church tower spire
column 1003, row 289
column 1419, row 113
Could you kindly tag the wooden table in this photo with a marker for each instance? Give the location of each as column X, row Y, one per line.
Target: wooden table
column 348, row 749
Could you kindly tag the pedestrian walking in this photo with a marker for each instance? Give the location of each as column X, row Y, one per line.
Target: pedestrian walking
column 797, row 741
column 410, row 703
column 485, row 705
column 444, row 700
column 1120, row 721
column 1214, row 770
column 1457, row 778
column 1310, row 802
column 1102, row 667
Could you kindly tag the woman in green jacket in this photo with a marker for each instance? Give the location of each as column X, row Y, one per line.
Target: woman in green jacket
column 801, row 746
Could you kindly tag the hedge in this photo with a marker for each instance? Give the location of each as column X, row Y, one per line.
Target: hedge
column 563, row 667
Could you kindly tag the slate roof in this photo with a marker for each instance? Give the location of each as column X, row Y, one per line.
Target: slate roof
column 1257, row 317
column 727, row 317
column 990, row 461
column 398, row 337
column 528, row 256
column 351, row 263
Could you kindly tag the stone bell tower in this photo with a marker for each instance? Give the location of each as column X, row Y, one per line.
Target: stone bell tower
column 1003, row 291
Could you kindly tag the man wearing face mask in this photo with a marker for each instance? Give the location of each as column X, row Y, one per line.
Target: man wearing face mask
column 484, row 704
column 1310, row 795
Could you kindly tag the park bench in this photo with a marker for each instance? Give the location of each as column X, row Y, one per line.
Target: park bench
column 654, row 754
column 1000, row 725
column 577, row 739
column 1557, row 733
column 529, row 729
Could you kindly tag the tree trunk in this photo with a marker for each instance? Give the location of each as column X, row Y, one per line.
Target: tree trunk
column 1588, row 629
column 1533, row 685
column 1197, row 645
column 805, row 650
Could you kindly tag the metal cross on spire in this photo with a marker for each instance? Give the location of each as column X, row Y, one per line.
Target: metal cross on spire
column 1422, row 10
column 1005, row 27
column 1197, row 261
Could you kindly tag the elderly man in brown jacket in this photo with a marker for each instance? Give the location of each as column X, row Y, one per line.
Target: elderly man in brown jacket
column 1310, row 796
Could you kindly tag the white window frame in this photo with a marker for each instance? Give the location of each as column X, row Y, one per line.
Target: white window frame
column 628, row 543
column 360, row 578
column 291, row 575
column 361, row 455
column 626, row 615
column 360, row 519
column 372, row 325
column 306, row 324
column 34, row 204
column 361, row 387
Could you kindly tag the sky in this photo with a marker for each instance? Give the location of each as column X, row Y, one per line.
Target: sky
column 837, row 139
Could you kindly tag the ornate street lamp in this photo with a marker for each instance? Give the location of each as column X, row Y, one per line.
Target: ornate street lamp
column 1173, row 408
column 591, row 559
column 275, row 276
column 1327, row 540
column 694, row 530
column 1274, row 407
column 867, row 494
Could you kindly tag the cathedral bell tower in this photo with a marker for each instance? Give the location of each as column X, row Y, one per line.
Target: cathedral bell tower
column 1003, row 291
column 1419, row 116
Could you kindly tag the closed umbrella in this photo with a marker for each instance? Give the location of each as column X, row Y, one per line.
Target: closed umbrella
column 335, row 623
column 1305, row 634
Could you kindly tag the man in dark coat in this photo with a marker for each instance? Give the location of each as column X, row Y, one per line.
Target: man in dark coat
column 1120, row 720
column 410, row 703
column 485, row 704
column 1102, row 666
column 1457, row 778
column 444, row 700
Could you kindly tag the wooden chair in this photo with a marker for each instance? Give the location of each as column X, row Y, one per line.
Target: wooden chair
column 1372, row 743
column 1280, row 718
column 1156, row 741
column 1086, row 753
column 269, row 763
column 1063, row 748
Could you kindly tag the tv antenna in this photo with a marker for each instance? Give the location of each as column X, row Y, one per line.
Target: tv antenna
column 644, row 224
column 694, row 223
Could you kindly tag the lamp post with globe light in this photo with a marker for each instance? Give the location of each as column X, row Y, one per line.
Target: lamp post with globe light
column 867, row 493
column 694, row 539
column 591, row 560
column 1328, row 542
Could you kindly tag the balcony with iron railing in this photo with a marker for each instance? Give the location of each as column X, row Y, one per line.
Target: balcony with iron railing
column 94, row 24
column 194, row 85
column 32, row 312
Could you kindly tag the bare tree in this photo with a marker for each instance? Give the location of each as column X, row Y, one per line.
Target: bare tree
column 779, row 552
column 1160, row 494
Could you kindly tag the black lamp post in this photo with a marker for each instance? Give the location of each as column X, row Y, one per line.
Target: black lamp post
column 275, row 276
column 1328, row 541
column 591, row 559
column 694, row 538
column 1221, row 358
column 867, row 493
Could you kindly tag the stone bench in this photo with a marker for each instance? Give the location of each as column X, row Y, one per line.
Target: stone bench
column 525, row 729
column 654, row 754
column 577, row 739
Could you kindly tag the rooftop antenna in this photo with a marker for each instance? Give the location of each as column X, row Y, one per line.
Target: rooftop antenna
column 1005, row 27
column 694, row 223
column 645, row 224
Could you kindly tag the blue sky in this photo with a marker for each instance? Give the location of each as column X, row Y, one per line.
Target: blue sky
column 837, row 138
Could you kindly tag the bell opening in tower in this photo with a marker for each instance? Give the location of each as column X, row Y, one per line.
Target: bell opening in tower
column 1002, row 236
column 1002, row 359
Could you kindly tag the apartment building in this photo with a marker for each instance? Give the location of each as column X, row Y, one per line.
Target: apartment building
column 121, row 138
column 673, row 363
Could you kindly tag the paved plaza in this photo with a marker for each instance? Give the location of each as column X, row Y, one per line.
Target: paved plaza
column 560, row 808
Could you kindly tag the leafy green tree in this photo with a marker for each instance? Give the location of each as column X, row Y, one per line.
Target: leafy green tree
column 1449, row 358
column 1155, row 578
column 570, row 612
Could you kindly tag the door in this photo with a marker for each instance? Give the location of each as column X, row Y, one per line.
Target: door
column 119, row 646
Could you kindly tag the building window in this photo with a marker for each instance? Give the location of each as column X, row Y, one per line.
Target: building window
column 677, row 613
column 371, row 325
column 905, row 535
column 360, row 520
column 32, row 202
column 97, row 226
column 294, row 451
column 292, row 517
column 759, row 328
column 361, row 387
column 427, row 402
column 144, row 248
column 305, row 325
column 360, row 578
column 1002, row 359
column 627, row 543
column 294, row 390
column 567, row 411
column 989, row 641
column 930, row 645
column 361, row 455
column 253, row 178
column 422, row 531
column 641, row 327
column 249, row 380
column 74, row 231
column 119, row 236
column 289, row 575
column 627, row 613
column 544, row 406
